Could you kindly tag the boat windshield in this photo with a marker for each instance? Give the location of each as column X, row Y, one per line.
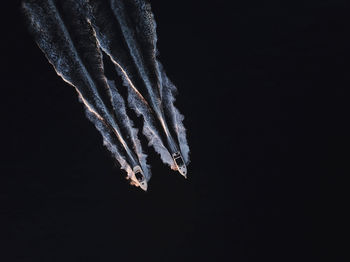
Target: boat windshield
column 179, row 161
column 139, row 176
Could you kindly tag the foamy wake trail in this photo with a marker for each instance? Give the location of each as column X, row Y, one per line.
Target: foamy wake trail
column 145, row 28
column 129, row 34
column 147, row 71
column 142, row 19
column 119, row 107
column 84, row 31
column 109, row 142
column 106, row 30
column 149, row 129
column 55, row 41
column 176, row 118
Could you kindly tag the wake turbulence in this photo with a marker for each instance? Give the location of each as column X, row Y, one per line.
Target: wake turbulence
column 75, row 35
